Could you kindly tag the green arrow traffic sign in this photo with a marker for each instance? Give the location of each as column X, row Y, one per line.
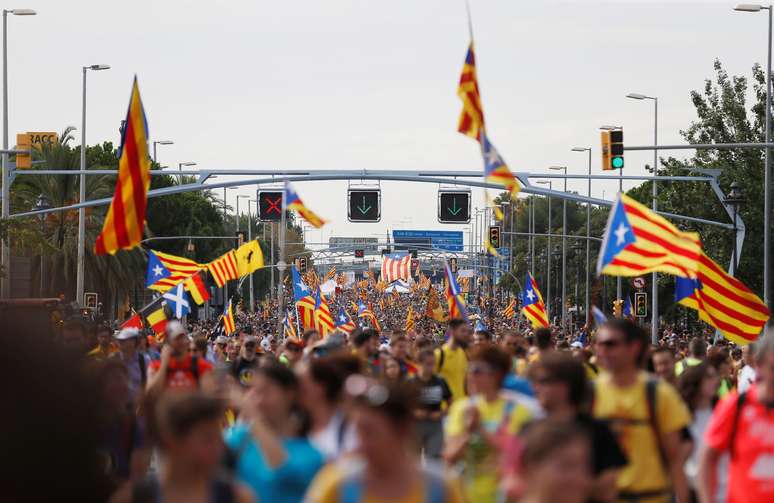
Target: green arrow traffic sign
column 363, row 208
column 454, row 210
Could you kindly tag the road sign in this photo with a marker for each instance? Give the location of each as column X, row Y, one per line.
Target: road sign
column 359, row 253
column 369, row 245
column 270, row 205
column 453, row 207
column 364, row 206
column 443, row 240
column 638, row 282
column 641, row 305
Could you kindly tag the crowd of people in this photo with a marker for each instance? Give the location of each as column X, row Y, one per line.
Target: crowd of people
column 450, row 411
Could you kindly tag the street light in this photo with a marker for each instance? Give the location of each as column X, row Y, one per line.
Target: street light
column 548, row 246
column 238, row 215
column 588, row 235
column 577, row 248
column 79, row 277
column 735, row 199
column 746, row 7
column 5, row 206
column 654, row 276
column 180, row 168
column 40, row 205
column 160, row 142
column 564, row 245
column 557, row 253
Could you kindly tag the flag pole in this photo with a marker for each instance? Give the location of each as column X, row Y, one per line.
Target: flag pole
column 281, row 264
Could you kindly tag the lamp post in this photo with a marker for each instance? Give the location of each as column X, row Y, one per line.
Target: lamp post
column 5, row 253
column 160, row 142
column 180, row 168
column 79, row 277
column 654, row 276
column 735, row 198
column 577, row 248
column 548, row 246
column 586, row 281
column 557, row 253
column 42, row 204
column 564, row 245
column 767, row 173
column 238, row 215
column 504, row 205
column 250, row 238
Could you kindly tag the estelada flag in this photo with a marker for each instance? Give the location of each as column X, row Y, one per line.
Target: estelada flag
column 125, row 218
column 472, row 116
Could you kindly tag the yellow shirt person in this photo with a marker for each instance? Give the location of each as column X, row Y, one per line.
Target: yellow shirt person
column 452, row 365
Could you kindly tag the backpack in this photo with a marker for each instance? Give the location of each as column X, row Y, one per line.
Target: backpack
column 351, row 490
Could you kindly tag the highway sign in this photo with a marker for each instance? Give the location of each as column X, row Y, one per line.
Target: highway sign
column 443, row 240
column 364, row 206
column 454, row 207
column 370, row 246
column 270, row 205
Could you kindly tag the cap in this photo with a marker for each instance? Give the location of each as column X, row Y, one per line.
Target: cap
column 577, row 345
column 221, row 339
column 127, row 333
column 174, row 328
column 266, row 345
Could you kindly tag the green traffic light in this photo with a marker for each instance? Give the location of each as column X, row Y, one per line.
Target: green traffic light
column 618, row 162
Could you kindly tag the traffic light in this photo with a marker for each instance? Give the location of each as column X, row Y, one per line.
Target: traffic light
column 364, row 206
column 269, row 205
column 454, row 207
column 612, row 149
column 453, row 264
column 359, row 253
column 494, row 236
column 302, row 264
column 618, row 308
column 641, row 305
column 23, row 142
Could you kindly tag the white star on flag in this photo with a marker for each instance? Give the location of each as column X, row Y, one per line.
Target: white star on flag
column 620, row 234
column 492, row 157
column 530, row 295
column 158, row 271
column 302, row 287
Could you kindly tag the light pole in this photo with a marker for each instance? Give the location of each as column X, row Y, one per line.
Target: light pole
column 79, row 277
column 735, row 199
column 654, row 325
column 160, row 142
column 250, row 238
column 577, row 248
column 180, row 168
column 767, row 173
column 588, row 237
column 504, row 205
column 557, row 254
column 548, row 247
column 42, row 204
column 239, row 215
column 564, row 246
column 5, row 254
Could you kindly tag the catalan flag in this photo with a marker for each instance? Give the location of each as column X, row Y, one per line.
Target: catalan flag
column 229, row 326
column 723, row 301
column 434, row 309
column 293, row 202
column 510, row 310
column 166, row 270
column 304, row 300
column 409, row 326
column 368, row 314
column 322, row 315
column 224, row 268
column 289, row 328
column 472, row 117
column 344, row 322
column 454, row 297
column 125, row 219
column 496, row 171
column 638, row 241
column 533, row 307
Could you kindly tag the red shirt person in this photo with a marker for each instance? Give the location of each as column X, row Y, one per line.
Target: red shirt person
column 743, row 426
column 177, row 368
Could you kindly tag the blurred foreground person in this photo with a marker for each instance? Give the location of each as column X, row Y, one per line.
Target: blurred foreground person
column 177, row 369
column 743, row 426
column 433, row 394
column 271, row 455
column 388, row 469
column 188, row 425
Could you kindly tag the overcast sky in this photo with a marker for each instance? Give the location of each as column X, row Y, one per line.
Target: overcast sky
column 367, row 84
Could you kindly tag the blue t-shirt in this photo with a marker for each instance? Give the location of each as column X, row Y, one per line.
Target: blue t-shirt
column 513, row 382
column 286, row 483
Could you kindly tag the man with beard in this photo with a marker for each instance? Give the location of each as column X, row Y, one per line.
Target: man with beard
column 451, row 361
column 177, row 368
column 244, row 366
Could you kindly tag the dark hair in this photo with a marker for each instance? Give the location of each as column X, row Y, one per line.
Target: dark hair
column 563, row 368
column 494, row 356
column 456, row 322
column 543, row 338
column 689, row 383
column 332, row 371
column 697, row 347
column 421, row 343
column 103, row 328
column 544, row 437
column 398, row 336
column 200, row 343
column 362, row 335
column 717, row 357
column 632, row 333
column 280, row 374
column 399, row 404
column 424, row 353
column 486, row 334
column 177, row 412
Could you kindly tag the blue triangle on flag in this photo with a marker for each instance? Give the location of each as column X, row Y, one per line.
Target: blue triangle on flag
column 685, row 287
column 618, row 235
column 156, row 270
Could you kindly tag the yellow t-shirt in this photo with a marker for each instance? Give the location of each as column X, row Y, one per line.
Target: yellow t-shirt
column 328, row 486
column 480, row 474
column 453, row 367
column 626, row 411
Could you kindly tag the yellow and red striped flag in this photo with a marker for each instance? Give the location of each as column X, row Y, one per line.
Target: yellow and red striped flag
column 229, row 326
column 125, row 219
column 510, row 311
column 322, row 315
column 723, row 301
column 409, row 326
column 166, row 270
column 472, row 116
column 293, row 202
column 532, row 304
column 224, row 268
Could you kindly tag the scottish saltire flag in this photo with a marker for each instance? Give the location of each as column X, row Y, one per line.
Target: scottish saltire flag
column 344, row 323
column 639, row 241
column 125, row 219
column 304, row 299
column 472, row 116
column 532, row 304
column 723, row 301
column 291, row 201
column 177, row 300
column 495, row 169
column 599, row 316
column 454, row 296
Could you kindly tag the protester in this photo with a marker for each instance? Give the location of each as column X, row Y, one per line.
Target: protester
column 220, row 349
column 697, row 353
column 366, row 347
column 176, row 368
column 451, row 361
column 742, row 425
column 387, row 470
column 747, row 375
column 105, row 346
column 272, row 455
column 243, row 368
column 136, row 363
column 663, row 361
column 292, row 351
column 645, row 411
column 434, row 394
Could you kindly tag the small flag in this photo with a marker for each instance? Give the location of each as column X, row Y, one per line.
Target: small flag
column 344, row 322
column 195, row 286
column 125, row 219
column 409, row 326
column 434, row 309
column 472, row 117
column 322, row 314
column 480, row 326
column 289, row 328
column 293, row 202
column 533, row 307
column 510, row 311
column 628, row 312
column 454, row 298
column 305, row 301
column 496, row 171
column 599, row 316
column 177, row 300
column 166, row 270
column 157, row 317
column 229, row 326
column 249, row 258
column 135, row 321
column 638, row 241
column 224, row 268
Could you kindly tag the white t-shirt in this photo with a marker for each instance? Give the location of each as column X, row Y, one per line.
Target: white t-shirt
column 336, row 439
column 746, row 378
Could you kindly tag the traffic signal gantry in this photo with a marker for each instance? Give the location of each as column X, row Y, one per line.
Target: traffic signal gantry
column 270, row 205
column 364, row 205
column 612, row 149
